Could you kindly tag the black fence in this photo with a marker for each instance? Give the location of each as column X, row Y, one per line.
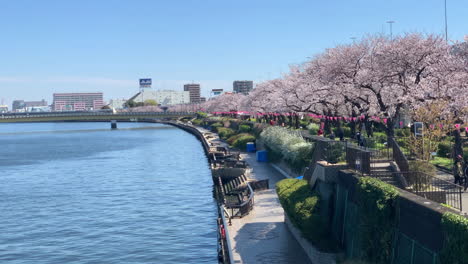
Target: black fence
column 427, row 186
column 372, row 162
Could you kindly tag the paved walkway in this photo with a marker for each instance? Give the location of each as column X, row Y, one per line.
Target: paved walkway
column 262, row 237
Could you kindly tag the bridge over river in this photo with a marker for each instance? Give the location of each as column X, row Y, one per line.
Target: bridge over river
column 89, row 116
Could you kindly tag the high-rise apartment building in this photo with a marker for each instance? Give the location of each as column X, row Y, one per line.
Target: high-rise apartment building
column 194, row 90
column 77, row 101
column 243, row 87
column 162, row 97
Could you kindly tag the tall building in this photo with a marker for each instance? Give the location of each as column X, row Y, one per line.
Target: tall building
column 21, row 105
column 194, row 90
column 117, row 103
column 77, row 101
column 162, row 97
column 242, row 87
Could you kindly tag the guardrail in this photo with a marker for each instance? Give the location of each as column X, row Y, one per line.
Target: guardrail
column 225, row 237
column 93, row 114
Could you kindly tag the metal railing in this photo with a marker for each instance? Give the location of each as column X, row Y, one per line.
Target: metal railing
column 398, row 156
column 367, row 161
column 244, row 208
column 427, row 186
column 224, row 237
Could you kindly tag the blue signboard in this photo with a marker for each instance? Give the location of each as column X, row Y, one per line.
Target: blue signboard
column 145, row 82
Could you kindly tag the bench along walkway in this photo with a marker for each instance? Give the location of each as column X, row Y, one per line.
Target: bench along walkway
column 262, row 236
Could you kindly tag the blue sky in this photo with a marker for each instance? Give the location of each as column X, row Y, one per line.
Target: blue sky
column 84, row 46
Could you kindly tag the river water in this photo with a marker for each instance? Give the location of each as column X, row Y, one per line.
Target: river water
column 81, row 193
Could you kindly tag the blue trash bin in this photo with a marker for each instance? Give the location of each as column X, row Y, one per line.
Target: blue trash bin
column 262, row 156
column 251, row 147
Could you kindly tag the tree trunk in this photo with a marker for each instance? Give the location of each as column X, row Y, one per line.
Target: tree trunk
column 369, row 129
column 458, row 146
column 390, row 127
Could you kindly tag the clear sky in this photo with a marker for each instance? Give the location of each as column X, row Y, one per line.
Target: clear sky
column 85, row 46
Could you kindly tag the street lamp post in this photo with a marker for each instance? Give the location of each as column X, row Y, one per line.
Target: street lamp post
column 391, row 28
column 446, row 31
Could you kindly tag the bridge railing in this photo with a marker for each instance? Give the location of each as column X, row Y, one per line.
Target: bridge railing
column 75, row 114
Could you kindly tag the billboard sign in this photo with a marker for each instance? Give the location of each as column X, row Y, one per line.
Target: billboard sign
column 216, row 92
column 418, row 128
column 145, row 83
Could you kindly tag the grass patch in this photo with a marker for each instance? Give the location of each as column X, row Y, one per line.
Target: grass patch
column 443, row 162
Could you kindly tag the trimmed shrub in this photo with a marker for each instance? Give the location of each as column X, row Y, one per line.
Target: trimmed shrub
column 244, row 129
column 455, row 249
column 295, row 151
column 335, row 153
column 231, row 140
column 197, row 122
column 402, row 132
column 258, row 128
column 376, row 208
column 313, row 128
column 225, row 132
column 214, row 126
column 420, row 181
column 273, row 156
column 201, row 115
column 444, row 149
column 346, row 132
column 380, row 137
column 241, row 142
column 422, row 166
column 303, row 208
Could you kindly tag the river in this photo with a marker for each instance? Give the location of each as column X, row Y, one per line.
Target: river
column 82, row 193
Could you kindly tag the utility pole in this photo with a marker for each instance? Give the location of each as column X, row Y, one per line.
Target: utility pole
column 391, row 28
column 446, row 31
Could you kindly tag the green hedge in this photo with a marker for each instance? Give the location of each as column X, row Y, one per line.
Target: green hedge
column 225, row 132
column 214, row 126
column 244, row 129
column 444, row 149
column 241, row 142
column 302, row 207
column 402, row 132
column 233, row 138
column 376, row 209
column 346, row 132
column 202, row 115
column 197, row 122
column 313, row 128
column 455, row 249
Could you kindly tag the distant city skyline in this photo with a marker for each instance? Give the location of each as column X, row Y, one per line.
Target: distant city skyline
column 106, row 46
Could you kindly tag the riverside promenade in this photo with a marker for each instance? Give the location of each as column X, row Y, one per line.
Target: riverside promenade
column 262, row 236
